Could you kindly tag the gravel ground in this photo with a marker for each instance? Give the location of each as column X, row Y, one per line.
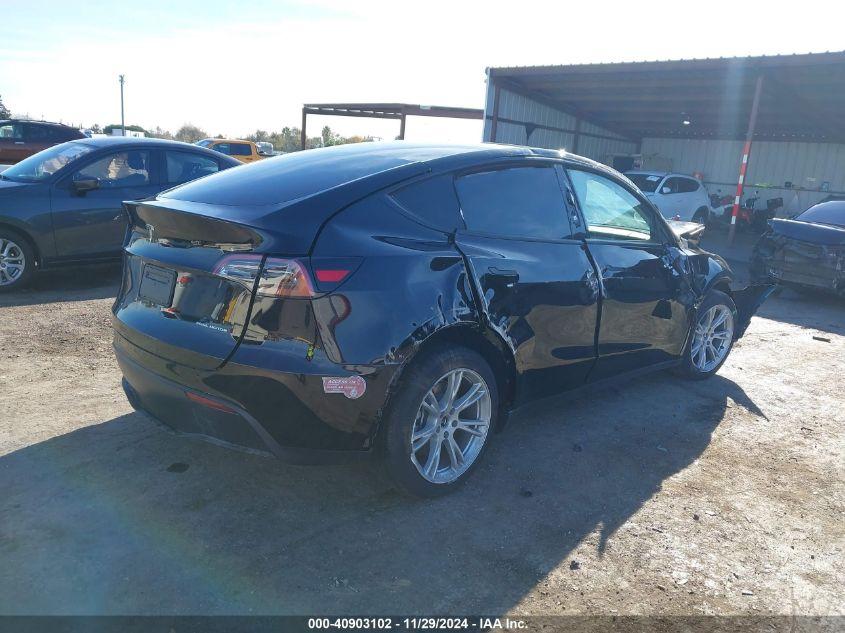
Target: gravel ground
column 658, row 497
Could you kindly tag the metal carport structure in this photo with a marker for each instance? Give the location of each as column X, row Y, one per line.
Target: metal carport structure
column 398, row 111
column 699, row 114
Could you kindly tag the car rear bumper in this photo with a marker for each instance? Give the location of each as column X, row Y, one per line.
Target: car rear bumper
column 818, row 275
column 285, row 415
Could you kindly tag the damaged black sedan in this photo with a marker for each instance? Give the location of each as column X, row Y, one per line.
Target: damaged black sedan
column 399, row 300
column 807, row 251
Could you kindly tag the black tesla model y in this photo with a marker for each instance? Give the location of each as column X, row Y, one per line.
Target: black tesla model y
column 399, row 300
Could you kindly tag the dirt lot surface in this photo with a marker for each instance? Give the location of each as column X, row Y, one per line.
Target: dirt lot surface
column 660, row 497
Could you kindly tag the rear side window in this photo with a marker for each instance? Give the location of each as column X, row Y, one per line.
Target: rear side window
column 518, row 202
column 40, row 133
column 433, row 201
column 182, row 167
column 688, row 185
column 240, row 149
column 223, row 148
column 672, row 185
column 11, row 130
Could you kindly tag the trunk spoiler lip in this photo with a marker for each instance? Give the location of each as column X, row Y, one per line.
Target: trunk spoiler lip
column 822, row 234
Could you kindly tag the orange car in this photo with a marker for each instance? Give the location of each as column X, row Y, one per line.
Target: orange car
column 244, row 151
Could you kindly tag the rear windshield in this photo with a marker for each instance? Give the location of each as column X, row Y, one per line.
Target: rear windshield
column 647, row 183
column 832, row 213
column 289, row 177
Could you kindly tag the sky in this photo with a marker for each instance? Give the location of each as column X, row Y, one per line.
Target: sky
column 234, row 67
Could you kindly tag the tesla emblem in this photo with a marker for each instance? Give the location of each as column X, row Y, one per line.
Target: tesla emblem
column 151, row 229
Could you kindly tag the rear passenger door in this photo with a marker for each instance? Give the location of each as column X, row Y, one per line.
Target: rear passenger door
column 537, row 285
column 692, row 197
column 40, row 137
column 642, row 321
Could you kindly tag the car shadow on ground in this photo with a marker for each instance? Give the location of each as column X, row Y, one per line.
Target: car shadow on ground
column 123, row 517
column 807, row 308
column 100, row 281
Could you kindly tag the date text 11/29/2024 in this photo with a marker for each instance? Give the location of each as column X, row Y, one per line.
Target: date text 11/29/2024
column 417, row 624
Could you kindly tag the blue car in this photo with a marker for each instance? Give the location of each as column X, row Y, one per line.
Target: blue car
column 63, row 206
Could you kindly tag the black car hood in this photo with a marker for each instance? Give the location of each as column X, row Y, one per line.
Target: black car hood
column 809, row 232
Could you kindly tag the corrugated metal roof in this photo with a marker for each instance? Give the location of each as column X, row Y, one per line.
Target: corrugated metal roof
column 803, row 95
column 664, row 61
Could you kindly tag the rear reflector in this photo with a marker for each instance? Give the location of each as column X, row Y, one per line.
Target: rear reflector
column 331, row 276
column 208, row 402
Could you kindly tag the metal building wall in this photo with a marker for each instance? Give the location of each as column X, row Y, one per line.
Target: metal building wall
column 772, row 164
column 517, row 108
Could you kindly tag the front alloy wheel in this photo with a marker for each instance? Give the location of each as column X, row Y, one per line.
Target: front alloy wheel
column 712, row 338
column 12, row 262
column 451, row 426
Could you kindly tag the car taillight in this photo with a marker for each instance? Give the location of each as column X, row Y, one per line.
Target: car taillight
column 276, row 278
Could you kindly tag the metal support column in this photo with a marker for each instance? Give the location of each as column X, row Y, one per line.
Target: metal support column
column 746, row 152
column 402, row 128
column 576, row 137
column 495, row 122
column 303, row 137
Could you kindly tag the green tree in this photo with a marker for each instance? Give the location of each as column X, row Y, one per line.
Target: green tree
column 116, row 126
column 190, row 133
column 259, row 136
column 160, row 133
column 4, row 111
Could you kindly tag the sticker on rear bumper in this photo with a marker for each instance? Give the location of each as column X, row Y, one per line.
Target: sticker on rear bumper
column 350, row 386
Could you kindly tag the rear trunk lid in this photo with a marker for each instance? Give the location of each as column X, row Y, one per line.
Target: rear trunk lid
column 189, row 278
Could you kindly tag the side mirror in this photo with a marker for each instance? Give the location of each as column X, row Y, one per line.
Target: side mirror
column 665, row 190
column 84, row 185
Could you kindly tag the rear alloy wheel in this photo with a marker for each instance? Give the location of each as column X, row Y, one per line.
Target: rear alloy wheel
column 451, row 426
column 16, row 261
column 712, row 336
column 440, row 422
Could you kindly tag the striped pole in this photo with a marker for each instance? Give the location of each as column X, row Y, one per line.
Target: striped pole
column 746, row 152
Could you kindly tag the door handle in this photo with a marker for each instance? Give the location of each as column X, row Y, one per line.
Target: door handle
column 510, row 277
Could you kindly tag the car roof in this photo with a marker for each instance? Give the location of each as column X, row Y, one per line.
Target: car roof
column 295, row 176
column 227, row 140
column 109, row 141
column 45, row 123
column 129, row 142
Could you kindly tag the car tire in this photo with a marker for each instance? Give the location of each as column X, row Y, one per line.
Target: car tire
column 702, row 216
column 710, row 334
column 423, row 408
column 17, row 260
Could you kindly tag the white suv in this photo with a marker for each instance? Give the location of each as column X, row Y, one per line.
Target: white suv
column 676, row 196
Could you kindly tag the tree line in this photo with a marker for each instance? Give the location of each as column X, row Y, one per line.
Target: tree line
column 288, row 139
